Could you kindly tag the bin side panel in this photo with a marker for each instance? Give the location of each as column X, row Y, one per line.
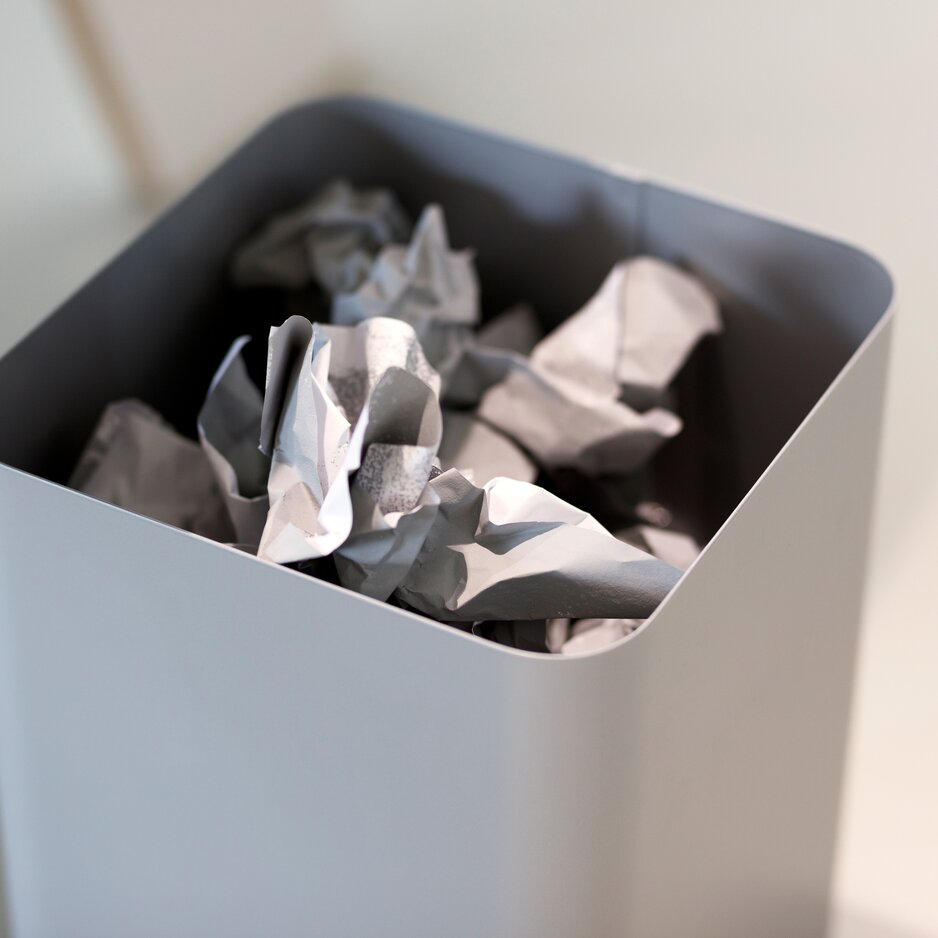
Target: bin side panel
column 739, row 721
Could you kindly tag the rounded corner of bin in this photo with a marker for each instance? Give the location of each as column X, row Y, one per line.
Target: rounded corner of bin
column 881, row 273
column 336, row 102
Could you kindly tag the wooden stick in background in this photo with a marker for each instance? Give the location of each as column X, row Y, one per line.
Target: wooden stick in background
column 114, row 104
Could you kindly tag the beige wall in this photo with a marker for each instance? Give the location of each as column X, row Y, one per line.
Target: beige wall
column 64, row 200
column 183, row 81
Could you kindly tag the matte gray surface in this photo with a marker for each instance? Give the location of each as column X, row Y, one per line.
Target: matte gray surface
column 195, row 742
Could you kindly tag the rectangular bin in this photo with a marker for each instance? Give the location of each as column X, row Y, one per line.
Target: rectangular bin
column 194, row 742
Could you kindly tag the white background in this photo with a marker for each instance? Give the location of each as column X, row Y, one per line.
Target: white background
column 822, row 111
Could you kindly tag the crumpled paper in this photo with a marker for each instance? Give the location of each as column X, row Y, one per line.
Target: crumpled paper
column 566, row 424
column 588, row 635
column 638, row 329
column 560, row 636
column 229, row 426
column 564, row 402
column 515, row 330
column 524, row 634
column 331, row 239
column 137, row 461
column 579, row 636
column 562, row 396
column 351, row 426
column 352, row 423
column 511, row 550
column 479, row 452
column 501, row 344
column 673, row 547
column 562, row 423
column 427, row 285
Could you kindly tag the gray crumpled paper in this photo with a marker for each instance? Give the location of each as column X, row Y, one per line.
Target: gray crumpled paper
column 560, row 636
column 593, row 634
column 331, row 239
column 511, row 550
column 584, row 635
column 500, row 345
column 638, row 329
column 562, row 396
column 566, row 424
column 560, row 422
column 137, row 461
column 564, row 403
column 427, row 285
column 679, row 550
column 515, row 330
column 479, row 452
column 229, row 426
column 352, row 423
column 524, row 634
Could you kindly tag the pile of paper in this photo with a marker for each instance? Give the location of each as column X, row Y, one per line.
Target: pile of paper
column 396, row 448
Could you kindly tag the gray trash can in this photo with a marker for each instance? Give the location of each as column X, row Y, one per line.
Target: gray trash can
column 195, row 742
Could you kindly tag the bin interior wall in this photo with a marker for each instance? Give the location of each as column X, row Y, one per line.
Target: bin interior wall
column 157, row 321
column 795, row 307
